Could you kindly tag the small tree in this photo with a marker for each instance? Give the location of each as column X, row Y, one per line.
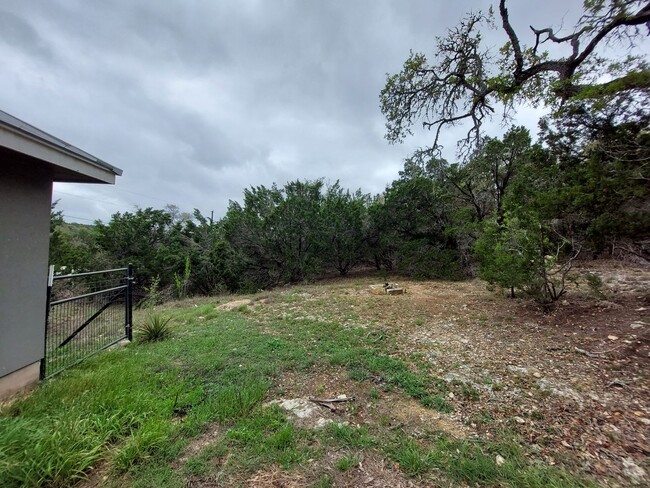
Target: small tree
column 344, row 216
column 520, row 255
column 182, row 281
column 507, row 255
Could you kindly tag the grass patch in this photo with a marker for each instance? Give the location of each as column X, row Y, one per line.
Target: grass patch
column 346, row 436
column 364, row 363
column 413, row 459
column 137, row 408
column 346, row 463
column 475, row 464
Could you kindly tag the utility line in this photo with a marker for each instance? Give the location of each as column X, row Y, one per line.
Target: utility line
column 79, row 218
column 89, row 198
column 112, row 203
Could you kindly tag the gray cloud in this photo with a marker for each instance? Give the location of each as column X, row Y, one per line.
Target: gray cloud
column 21, row 36
column 197, row 100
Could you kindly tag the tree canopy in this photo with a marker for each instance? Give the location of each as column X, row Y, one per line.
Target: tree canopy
column 465, row 82
column 513, row 211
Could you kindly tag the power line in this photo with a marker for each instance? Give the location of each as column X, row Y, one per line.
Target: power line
column 112, row 203
column 89, row 198
column 79, row 218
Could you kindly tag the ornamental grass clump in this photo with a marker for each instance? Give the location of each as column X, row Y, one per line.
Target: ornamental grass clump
column 155, row 327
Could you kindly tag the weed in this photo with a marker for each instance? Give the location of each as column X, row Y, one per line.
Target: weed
column 413, row 459
column 354, row 437
column 182, row 282
column 596, row 285
column 470, row 464
column 346, row 463
column 481, row 418
column 468, row 392
column 498, row 386
column 438, row 403
column 153, row 294
column 324, row 481
column 142, row 445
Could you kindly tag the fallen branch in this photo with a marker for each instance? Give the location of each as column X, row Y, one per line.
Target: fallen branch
column 328, row 402
column 618, row 383
column 332, row 400
column 597, row 355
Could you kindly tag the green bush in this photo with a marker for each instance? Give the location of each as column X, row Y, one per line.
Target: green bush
column 518, row 254
column 507, row 255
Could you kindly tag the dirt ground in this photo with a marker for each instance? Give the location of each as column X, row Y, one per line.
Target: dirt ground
column 571, row 382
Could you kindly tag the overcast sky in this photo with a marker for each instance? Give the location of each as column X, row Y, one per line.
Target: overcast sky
column 196, row 100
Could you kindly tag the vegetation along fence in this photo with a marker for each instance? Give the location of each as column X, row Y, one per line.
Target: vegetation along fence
column 86, row 313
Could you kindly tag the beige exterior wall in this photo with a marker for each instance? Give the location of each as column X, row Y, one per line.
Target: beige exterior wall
column 25, row 198
column 20, row 380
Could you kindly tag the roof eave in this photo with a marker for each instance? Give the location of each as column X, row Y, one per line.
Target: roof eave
column 70, row 162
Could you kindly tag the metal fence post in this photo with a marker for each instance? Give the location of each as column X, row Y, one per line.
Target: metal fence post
column 50, row 281
column 129, row 303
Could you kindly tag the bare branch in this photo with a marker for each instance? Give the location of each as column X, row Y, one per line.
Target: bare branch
column 514, row 40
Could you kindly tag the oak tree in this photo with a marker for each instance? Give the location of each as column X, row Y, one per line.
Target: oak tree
column 466, row 83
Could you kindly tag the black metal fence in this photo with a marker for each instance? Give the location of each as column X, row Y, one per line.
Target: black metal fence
column 86, row 313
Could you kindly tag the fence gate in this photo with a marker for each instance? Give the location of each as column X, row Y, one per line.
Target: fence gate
column 86, row 312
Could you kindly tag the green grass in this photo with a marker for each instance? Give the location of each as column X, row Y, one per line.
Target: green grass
column 346, row 463
column 202, row 463
column 134, row 410
column 475, row 463
column 346, row 436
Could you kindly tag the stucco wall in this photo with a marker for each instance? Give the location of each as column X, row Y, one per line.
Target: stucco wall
column 25, row 196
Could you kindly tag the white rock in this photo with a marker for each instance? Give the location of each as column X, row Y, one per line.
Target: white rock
column 300, row 407
column 499, row 460
column 322, row 422
column 518, row 369
column 635, row 473
column 559, row 390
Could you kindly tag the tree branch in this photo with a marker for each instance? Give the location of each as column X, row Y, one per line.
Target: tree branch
column 514, row 40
